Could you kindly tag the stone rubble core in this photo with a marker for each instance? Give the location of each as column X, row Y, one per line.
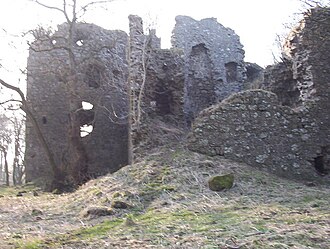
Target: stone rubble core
column 287, row 131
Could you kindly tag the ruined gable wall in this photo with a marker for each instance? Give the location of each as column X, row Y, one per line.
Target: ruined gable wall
column 214, row 66
column 256, row 128
column 102, row 67
column 253, row 127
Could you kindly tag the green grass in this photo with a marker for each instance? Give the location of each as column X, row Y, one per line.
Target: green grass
column 37, row 244
column 97, row 231
column 152, row 225
column 260, row 226
column 13, row 190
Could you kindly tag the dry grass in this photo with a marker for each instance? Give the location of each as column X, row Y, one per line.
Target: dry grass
column 170, row 206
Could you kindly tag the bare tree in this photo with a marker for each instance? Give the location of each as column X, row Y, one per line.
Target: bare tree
column 18, row 162
column 12, row 135
column 5, row 141
column 25, row 108
column 290, row 28
column 77, row 167
column 76, row 171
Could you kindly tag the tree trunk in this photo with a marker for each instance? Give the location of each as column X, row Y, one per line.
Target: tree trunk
column 55, row 170
column 20, row 174
column 4, row 151
column 79, row 159
column 78, row 168
column 14, row 172
column 1, row 165
column 130, row 121
column 6, row 169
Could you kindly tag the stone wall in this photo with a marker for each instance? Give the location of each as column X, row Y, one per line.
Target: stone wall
column 214, row 66
column 257, row 128
column 137, row 54
column 279, row 79
column 102, row 75
column 156, row 72
column 253, row 127
column 165, row 84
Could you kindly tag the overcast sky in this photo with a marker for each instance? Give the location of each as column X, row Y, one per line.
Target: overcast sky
column 256, row 22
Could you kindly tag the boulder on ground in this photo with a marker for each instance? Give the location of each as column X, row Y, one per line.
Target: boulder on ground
column 221, row 182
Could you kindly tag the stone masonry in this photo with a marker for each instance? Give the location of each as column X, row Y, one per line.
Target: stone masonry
column 214, row 66
column 102, row 65
column 286, row 132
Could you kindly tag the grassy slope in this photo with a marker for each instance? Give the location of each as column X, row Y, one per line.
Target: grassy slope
column 172, row 207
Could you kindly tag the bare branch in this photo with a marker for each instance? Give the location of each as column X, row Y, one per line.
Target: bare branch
column 63, row 11
column 85, row 7
column 74, row 12
column 10, row 100
column 16, row 89
column 49, row 7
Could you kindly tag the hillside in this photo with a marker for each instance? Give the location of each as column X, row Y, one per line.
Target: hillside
column 163, row 201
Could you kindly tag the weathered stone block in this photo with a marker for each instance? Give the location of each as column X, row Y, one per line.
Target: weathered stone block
column 221, row 182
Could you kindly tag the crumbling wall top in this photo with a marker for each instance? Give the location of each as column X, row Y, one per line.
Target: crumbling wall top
column 221, row 41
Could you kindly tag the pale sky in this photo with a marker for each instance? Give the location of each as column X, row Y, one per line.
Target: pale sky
column 256, row 22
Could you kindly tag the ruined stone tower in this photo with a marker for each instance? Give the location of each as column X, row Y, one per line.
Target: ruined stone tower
column 102, row 72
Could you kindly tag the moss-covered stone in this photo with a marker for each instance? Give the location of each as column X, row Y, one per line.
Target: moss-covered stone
column 221, row 182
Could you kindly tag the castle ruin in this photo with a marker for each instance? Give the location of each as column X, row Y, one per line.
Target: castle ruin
column 105, row 58
column 199, row 81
